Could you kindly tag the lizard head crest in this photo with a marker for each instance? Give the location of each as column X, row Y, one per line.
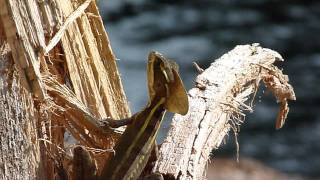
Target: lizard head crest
column 164, row 81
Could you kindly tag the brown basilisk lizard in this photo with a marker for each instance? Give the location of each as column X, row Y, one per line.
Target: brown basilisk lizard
column 166, row 92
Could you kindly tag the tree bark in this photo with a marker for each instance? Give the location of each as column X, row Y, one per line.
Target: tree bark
column 19, row 152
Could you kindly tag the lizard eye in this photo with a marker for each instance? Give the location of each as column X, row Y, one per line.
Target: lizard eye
column 165, row 75
column 166, row 70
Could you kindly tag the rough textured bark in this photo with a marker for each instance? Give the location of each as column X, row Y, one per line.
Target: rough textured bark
column 19, row 152
column 216, row 105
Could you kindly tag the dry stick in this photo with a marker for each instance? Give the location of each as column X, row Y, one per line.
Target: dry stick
column 212, row 113
column 77, row 13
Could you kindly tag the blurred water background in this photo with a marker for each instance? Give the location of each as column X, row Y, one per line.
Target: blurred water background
column 202, row 31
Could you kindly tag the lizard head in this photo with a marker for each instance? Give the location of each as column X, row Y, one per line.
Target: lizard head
column 164, row 81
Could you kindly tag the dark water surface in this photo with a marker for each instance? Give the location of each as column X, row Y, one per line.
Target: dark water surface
column 204, row 30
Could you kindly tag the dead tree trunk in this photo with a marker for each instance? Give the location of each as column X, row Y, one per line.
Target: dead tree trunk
column 47, row 45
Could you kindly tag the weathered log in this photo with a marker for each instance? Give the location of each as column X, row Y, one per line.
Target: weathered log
column 217, row 104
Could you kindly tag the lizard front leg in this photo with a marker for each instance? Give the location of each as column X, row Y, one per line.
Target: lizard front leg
column 113, row 123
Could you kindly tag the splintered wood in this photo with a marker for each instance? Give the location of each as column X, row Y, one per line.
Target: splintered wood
column 65, row 62
column 218, row 104
column 25, row 35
